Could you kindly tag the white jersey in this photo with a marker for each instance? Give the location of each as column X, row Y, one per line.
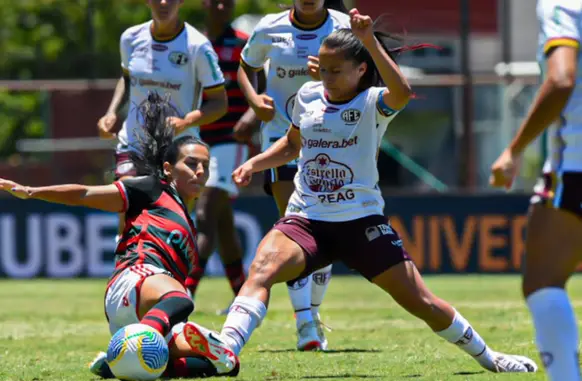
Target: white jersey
column 285, row 43
column 337, row 178
column 182, row 67
column 561, row 25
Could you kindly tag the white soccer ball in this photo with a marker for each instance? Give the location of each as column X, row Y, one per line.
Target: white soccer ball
column 137, row 352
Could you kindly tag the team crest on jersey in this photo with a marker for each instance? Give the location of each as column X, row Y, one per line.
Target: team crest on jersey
column 178, row 58
column 322, row 174
column 351, row 116
column 289, row 105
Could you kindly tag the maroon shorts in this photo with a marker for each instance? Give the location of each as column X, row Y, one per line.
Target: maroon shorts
column 369, row 245
column 123, row 165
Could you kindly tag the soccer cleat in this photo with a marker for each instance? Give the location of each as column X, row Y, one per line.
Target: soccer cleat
column 513, row 364
column 308, row 338
column 99, row 366
column 209, row 344
column 320, row 331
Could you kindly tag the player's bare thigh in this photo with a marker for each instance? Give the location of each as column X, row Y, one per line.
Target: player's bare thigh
column 553, row 247
column 278, row 259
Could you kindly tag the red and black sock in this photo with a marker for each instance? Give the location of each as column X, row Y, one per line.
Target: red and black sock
column 196, row 275
column 236, row 275
column 189, row 367
column 173, row 308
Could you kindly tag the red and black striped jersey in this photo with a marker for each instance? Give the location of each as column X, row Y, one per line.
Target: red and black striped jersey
column 228, row 47
column 158, row 228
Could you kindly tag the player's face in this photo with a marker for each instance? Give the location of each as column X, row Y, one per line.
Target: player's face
column 165, row 10
column 220, row 11
column 308, row 7
column 339, row 75
column 190, row 172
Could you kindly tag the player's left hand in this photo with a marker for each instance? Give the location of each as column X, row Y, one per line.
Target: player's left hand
column 504, row 170
column 362, row 26
column 15, row 189
column 313, row 67
column 178, row 124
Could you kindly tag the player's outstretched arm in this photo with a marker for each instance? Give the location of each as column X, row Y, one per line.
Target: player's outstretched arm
column 103, row 197
column 399, row 90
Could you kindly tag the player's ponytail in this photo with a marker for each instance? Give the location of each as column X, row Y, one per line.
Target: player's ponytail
column 344, row 40
column 155, row 139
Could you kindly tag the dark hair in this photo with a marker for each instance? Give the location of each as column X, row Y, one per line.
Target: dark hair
column 155, row 139
column 336, row 5
column 345, row 40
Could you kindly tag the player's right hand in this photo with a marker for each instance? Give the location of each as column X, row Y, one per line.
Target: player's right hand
column 242, row 175
column 105, row 125
column 263, row 106
column 15, row 189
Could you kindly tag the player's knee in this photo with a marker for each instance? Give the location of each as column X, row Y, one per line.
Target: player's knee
column 534, row 282
column 178, row 305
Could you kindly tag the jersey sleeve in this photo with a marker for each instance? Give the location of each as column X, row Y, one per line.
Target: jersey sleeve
column 384, row 114
column 254, row 54
column 559, row 22
column 125, row 51
column 206, row 66
column 137, row 193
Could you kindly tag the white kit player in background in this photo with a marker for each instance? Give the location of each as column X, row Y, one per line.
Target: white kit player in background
column 172, row 58
column 287, row 40
column 554, row 239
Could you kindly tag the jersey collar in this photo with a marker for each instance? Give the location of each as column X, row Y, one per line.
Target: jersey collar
column 302, row 26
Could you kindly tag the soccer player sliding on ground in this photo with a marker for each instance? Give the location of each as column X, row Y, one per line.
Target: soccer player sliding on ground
column 157, row 250
column 554, row 239
column 336, row 211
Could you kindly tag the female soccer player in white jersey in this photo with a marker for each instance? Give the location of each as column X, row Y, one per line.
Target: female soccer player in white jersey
column 554, row 238
column 336, row 211
column 169, row 56
column 287, row 39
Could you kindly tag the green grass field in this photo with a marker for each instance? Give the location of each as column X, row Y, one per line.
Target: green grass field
column 50, row 330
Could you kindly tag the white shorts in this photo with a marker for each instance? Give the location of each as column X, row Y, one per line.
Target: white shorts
column 224, row 159
column 122, row 298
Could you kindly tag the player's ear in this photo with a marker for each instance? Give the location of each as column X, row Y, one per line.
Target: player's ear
column 168, row 170
column 362, row 67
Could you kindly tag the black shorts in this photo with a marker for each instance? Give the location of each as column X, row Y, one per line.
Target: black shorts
column 560, row 191
column 369, row 245
column 283, row 173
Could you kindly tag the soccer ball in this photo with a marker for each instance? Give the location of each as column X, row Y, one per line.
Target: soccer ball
column 137, row 352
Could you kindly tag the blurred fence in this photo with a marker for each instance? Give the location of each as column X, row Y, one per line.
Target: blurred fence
column 428, row 133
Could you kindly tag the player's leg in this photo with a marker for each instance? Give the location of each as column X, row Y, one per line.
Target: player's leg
column 208, row 206
column 287, row 251
column 231, row 156
column 553, row 248
column 382, row 260
column 281, row 184
column 320, row 283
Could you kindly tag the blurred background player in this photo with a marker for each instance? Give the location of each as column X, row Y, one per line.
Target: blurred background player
column 228, row 138
column 151, row 268
column 286, row 40
column 554, row 239
column 170, row 56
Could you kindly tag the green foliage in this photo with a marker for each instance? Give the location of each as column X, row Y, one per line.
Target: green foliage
column 52, row 39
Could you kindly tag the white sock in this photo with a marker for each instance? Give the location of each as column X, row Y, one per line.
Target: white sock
column 465, row 337
column 244, row 316
column 300, row 294
column 556, row 333
column 321, row 280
